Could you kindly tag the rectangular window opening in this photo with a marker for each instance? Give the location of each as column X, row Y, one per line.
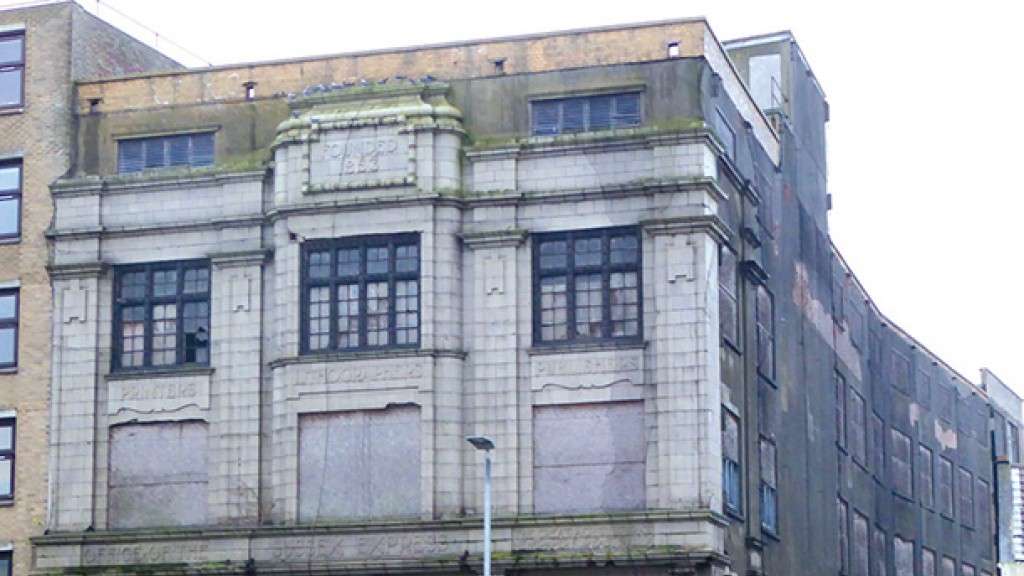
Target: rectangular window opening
column 7, row 437
column 9, row 304
column 585, row 113
column 191, row 150
column 361, row 293
column 162, row 315
column 10, row 199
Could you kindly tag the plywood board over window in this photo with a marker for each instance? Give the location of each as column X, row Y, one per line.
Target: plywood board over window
column 359, row 464
column 158, row 475
column 589, row 457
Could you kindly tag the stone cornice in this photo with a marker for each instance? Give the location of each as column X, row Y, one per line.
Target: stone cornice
column 494, row 238
column 150, row 182
column 708, row 224
column 168, row 228
column 240, row 259
column 368, row 355
column 78, row 270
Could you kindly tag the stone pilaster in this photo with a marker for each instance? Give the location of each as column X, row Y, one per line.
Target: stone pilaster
column 492, row 340
column 684, row 342
column 75, row 349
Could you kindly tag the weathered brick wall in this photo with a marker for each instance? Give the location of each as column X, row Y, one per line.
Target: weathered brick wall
column 40, row 135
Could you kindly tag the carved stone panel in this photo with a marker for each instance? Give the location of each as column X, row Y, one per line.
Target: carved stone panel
column 586, row 369
column 147, row 395
column 364, row 157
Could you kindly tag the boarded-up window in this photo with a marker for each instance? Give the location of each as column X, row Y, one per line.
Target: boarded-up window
column 902, row 481
column 965, row 488
column 899, row 372
column 878, row 444
column 843, row 550
column 983, row 500
column 731, row 472
column 857, row 431
column 728, row 309
column 855, row 319
column 966, row 570
column 1012, row 443
column 945, row 486
column 903, row 556
column 860, row 545
column 359, row 464
column 926, row 484
column 589, row 457
column 878, row 560
column 765, row 313
column 158, row 475
column 944, row 403
column 948, row 567
column 840, row 387
column 769, row 486
column 924, row 388
column 927, row 562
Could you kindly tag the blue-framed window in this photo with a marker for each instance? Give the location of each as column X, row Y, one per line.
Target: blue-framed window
column 138, row 154
column 585, row 113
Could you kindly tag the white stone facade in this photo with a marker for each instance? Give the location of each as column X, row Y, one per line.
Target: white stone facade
column 354, row 164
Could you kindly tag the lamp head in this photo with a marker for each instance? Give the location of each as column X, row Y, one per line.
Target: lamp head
column 481, row 442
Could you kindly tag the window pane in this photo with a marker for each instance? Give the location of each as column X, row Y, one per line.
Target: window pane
column 627, row 110
column 625, row 250
column 319, row 264
column 587, row 252
column 573, row 115
column 348, row 262
column 197, row 281
column 10, row 87
column 11, row 49
column 545, row 117
column 6, row 484
column 133, row 285
column 7, row 338
column 377, row 313
column 407, row 311
column 6, row 437
column 133, row 331
column 319, row 318
column 130, row 156
column 553, row 307
column 407, row 258
column 165, row 282
column 589, row 299
column 554, row 255
column 600, row 112
column 10, row 178
column 196, row 326
column 348, row 315
column 625, row 304
column 377, row 260
column 202, row 149
column 10, row 208
column 165, row 334
column 153, row 151
column 8, row 306
column 768, row 474
column 178, row 150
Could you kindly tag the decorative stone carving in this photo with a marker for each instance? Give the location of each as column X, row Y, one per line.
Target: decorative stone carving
column 75, row 302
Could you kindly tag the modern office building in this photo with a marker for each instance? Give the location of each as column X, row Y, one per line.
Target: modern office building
column 286, row 292
column 44, row 47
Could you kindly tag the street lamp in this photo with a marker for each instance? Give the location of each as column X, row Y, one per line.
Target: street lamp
column 486, row 444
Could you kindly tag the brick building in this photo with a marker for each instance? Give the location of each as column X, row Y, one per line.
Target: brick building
column 44, row 47
column 286, row 292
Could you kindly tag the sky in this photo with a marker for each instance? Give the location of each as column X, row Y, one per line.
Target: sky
column 923, row 130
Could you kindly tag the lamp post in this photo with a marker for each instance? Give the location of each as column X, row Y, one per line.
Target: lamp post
column 486, row 444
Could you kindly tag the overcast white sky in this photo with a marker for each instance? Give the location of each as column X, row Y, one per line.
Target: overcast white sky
column 926, row 126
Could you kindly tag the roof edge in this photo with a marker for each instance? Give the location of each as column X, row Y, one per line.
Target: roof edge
column 401, row 49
